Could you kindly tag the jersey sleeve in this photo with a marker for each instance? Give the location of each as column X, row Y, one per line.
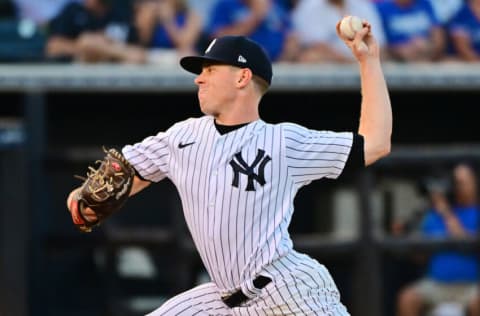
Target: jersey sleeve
column 150, row 157
column 312, row 155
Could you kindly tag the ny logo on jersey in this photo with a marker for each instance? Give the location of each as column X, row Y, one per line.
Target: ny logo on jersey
column 240, row 166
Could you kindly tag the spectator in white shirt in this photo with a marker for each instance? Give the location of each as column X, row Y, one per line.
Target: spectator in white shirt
column 314, row 22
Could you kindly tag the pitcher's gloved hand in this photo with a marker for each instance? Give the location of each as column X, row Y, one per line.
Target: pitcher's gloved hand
column 103, row 192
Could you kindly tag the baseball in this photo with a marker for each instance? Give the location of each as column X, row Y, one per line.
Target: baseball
column 349, row 25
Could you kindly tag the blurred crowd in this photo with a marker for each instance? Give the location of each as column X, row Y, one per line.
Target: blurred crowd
column 450, row 276
column 302, row 31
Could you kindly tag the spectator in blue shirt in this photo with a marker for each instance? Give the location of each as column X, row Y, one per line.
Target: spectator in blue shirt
column 445, row 9
column 264, row 21
column 412, row 30
column 168, row 24
column 464, row 32
column 452, row 276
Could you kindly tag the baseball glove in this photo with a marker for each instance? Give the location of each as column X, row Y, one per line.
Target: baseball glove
column 105, row 190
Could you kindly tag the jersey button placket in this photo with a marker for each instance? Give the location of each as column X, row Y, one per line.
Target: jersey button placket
column 211, row 202
column 213, row 188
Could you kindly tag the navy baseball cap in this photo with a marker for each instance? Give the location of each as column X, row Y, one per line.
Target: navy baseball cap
column 238, row 51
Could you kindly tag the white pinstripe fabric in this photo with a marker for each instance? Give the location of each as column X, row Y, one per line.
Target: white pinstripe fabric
column 238, row 223
column 301, row 286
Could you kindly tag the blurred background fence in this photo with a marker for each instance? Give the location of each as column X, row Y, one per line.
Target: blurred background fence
column 55, row 118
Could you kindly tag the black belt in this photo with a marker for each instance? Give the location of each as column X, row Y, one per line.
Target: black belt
column 238, row 297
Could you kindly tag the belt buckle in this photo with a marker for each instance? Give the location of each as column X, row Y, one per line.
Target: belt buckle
column 238, row 297
column 225, row 297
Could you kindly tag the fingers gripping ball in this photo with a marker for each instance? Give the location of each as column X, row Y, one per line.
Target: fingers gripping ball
column 104, row 191
column 349, row 26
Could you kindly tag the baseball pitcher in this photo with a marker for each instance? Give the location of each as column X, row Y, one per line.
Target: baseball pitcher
column 237, row 177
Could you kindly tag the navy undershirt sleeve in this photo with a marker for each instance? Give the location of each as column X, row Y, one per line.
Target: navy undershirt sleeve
column 356, row 159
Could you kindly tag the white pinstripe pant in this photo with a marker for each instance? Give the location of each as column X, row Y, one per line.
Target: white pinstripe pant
column 300, row 286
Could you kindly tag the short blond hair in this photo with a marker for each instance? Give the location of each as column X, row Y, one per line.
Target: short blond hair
column 260, row 84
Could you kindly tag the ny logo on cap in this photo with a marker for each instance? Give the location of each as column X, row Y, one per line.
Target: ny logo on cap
column 241, row 59
column 210, row 46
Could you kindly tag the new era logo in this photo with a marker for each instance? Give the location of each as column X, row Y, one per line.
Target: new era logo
column 241, row 59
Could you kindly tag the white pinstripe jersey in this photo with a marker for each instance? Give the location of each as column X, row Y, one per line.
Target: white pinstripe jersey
column 237, row 189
